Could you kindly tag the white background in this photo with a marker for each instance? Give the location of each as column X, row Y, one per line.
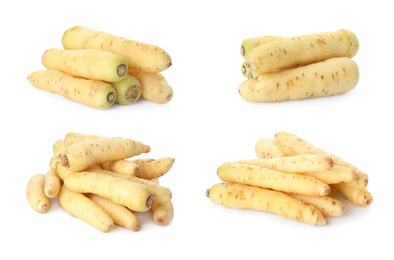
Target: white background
column 206, row 124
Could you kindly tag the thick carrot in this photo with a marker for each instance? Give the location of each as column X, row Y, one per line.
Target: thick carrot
column 139, row 56
column 91, row 64
column 52, row 184
column 239, row 196
column 155, row 168
column 121, row 166
column 154, row 86
column 121, row 215
column 163, row 213
column 79, row 156
column 338, row 174
column 161, row 194
column 326, row 78
column 328, row 206
column 35, row 193
column 135, row 196
column 128, row 90
column 291, row 145
column 302, row 50
column 294, row 164
column 359, row 197
column 267, row 178
column 93, row 93
column 78, row 205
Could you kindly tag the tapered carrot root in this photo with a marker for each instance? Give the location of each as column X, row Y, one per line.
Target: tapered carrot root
column 135, row 196
column 155, row 169
column 139, row 56
column 93, row 93
column 163, row 213
column 338, row 174
column 154, row 86
column 121, row 215
column 302, row 50
column 267, row 178
column 359, row 197
column 80, row 206
column 90, row 64
column 291, row 145
column 234, row 195
column 161, row 194
column 326, row 78
column 52, row 184
column 79, row 156
column 294, row 164
column 328, row 206
column 128, row 90
column 35, row 193
column 266, row 148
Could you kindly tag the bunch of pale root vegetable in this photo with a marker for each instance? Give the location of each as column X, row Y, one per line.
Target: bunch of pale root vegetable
column 98, row 69
column 292, row 178
column 94, row 181
column 300, row 67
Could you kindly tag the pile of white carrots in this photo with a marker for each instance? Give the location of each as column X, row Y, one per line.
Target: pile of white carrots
column 292, row 178
column 98, row 69
column 96, row 179
column 306, row 66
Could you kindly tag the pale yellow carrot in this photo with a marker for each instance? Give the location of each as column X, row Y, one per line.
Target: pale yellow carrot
column 326, row 78
column 139, row 56
column 91, row 64
column 239, row 196
column 78, row 205
column 35, row 193
column 93, row 93
column 79, row 156
column 294, row 164
column 267, row 178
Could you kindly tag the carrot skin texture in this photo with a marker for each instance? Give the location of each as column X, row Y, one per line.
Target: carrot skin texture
column 294, row 164
column 93, row 93
column 302, row 50
column 135, row 196
column 163, row 213
column 328, row 206
column 154, row 87
column 79, row 156
column 139, row 56
column 121, row 215
column 291, row 145
column 239, row 196
column 78, row 205
column 326, row 78
column 161, row 194
column 52, row 184
column 35, row 193
column 90, row 64
column 267, row 178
